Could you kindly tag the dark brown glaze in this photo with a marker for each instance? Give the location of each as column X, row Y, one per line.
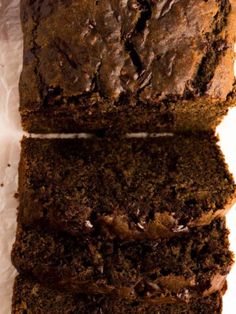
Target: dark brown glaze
column 186, row 267
column 130, row 188
column 130, row 65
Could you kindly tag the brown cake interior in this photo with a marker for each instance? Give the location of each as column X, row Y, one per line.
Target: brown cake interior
column 191, row 265
column 33, row 298
column 130, row 188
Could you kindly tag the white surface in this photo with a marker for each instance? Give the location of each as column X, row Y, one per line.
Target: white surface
column 11, row 133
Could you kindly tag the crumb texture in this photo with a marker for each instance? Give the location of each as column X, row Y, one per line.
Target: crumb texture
column 181, row 268
column 33, row 298
column 130, row 188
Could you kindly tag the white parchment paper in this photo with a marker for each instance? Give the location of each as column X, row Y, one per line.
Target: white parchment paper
column 11, row 133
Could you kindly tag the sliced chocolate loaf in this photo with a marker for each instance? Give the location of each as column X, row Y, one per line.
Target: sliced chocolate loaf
column 130, row 188
column 186, row 267
column 31, row 297
column 135, row 65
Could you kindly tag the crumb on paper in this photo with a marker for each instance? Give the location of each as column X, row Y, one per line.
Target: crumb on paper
column 16, row 195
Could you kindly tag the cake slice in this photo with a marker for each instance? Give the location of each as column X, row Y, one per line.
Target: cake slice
column 130, row 188
column 135, row 65
column 31, row 297
column 186, row 267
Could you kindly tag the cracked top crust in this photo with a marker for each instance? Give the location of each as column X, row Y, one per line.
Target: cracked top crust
column 105, row 49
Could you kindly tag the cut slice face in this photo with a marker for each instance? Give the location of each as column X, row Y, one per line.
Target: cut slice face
column 128, row 188
column 32, row 297
column 164, row 271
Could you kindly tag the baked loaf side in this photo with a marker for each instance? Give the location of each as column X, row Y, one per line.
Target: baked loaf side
column 128, row 65
column 130, row 188
column 182, row 268
column 31, row 297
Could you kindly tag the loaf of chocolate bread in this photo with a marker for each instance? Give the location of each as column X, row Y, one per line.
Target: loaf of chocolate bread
column 31, row 297
column 192, row 265
column 134, row 65
column 130, row 188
